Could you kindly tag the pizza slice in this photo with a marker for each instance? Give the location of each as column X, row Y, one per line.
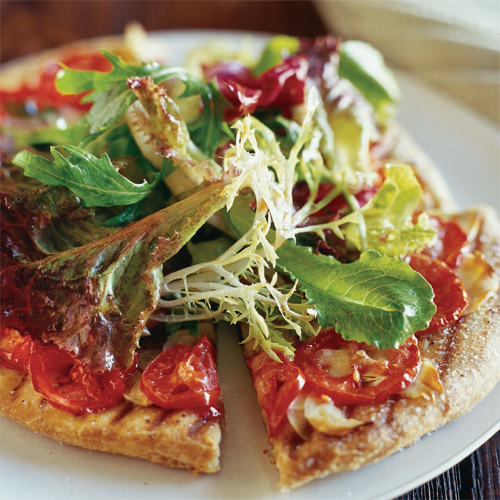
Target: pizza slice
column 82, row 386
column 70, row 364
column 174, row 427
column 339, row 405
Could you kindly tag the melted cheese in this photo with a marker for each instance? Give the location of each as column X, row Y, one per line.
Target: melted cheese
column 426, row 384
column 479, row 279
column 320, row 414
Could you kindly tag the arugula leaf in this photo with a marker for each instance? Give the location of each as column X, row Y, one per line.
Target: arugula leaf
column 208, row 129
column 116, row 142
column 130, row 214
column 74, row 81
column 95, row 180
column 95, row 300
column 365, row 68
column 112, row 97
column 377, row 299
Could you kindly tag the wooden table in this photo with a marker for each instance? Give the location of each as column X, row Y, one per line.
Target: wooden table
column 30, row 26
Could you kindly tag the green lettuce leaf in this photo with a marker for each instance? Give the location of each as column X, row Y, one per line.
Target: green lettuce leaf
column 388, row 217
column 354, row 131
column 205, row 251
column 377, row 299
column 160, row 131
column 365, row 68
column 95, row 300
column 277, row 49
column 95, row 180
column 50, row 135
column 112, row 97
column 210, row 128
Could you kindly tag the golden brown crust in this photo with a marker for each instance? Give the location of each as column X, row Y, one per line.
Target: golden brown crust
column 466, row 355
column 172, row 439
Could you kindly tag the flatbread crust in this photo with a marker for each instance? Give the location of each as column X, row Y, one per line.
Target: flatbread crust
column 172, row 439
column 466, row 355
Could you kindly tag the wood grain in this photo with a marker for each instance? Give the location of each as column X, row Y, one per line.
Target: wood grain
column 30, row 26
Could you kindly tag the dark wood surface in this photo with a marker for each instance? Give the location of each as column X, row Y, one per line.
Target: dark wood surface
column 30, row 26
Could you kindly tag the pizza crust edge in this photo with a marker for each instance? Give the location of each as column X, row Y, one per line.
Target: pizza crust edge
column 170, row 438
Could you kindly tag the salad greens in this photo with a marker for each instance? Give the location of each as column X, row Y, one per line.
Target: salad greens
column 365, row 68
column 95, row 300
column 98, row 254
column 95, row 180
column 112, row 97
column 279, row 48
column 351, row 297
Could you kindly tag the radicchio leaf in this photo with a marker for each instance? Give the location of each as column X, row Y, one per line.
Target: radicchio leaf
column 323, row 62
column 95, row 300
column 279, row 87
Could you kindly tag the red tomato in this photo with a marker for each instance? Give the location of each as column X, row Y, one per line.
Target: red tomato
column 450, row 296
column 182, row 377
column 277, row 385
column 14, row 349
column 450, row 242
column 67, row 384
column 372, row 375
column 44, row 94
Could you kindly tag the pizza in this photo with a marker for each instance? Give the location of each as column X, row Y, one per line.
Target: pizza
column 143, row 202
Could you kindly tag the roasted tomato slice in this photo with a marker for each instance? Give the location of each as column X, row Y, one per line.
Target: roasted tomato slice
column 356, row 373
column 183, row 377
column 15, row 349
column 277, row 385
column 450, row 296
column 451, row 240
column 70, row 386
column 43, row 94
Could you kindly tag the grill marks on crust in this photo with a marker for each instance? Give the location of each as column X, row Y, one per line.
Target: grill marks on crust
column 171, row 439
column 394, row 425
column 122, row 412
column 15, row 390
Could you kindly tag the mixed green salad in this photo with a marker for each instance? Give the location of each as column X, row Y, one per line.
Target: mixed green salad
column 241, row 188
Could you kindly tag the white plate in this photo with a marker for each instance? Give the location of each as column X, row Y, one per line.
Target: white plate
column 32, row 466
